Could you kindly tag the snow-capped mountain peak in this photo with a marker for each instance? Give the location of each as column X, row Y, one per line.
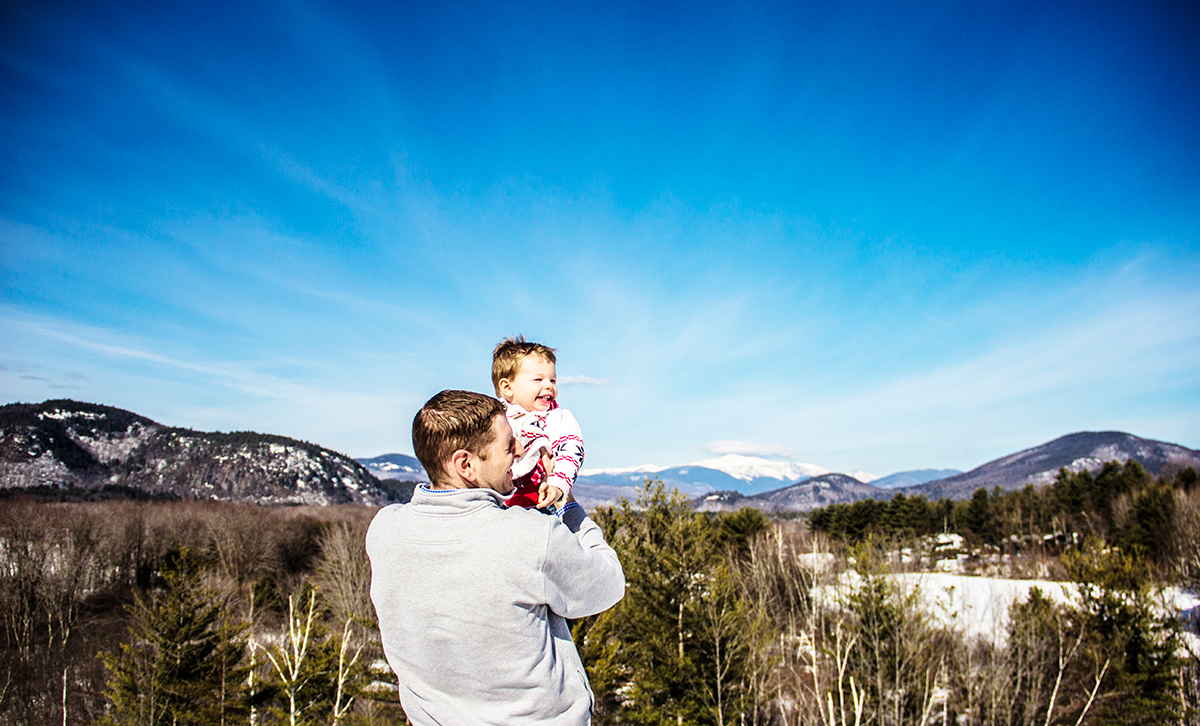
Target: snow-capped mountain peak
column 747, row 468
column 731, row 472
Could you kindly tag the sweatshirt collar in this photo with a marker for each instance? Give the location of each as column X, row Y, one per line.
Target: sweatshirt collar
column 454, row 501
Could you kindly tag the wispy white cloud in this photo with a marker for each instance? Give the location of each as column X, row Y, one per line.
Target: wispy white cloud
column 749, row 448
column 361, row 411
column 1025, row 355
column 583, row 381
column 1105, row 361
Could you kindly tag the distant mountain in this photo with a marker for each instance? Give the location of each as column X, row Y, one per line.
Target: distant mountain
column 1038, row 466
column 732, row 472
column 83, row 446
column 396, row 466
column 821, row 491
column 754, row 469
column 818, row 491
column 87, row 447
column 591, row 494
column 913, row 478
column 687, row 479
column 1076, row 452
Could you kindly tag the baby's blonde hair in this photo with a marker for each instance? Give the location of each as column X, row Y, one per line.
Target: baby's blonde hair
column 506, row 359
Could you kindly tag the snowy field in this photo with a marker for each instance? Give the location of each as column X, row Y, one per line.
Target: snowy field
column 978, row 606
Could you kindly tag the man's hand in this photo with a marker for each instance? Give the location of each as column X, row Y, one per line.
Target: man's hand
column 547, row 461
column 548, row 494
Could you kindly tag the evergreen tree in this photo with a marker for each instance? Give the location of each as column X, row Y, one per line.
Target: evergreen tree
column 1151, row 528
column 737, row 529
column 1134, row 640
column 729, row 635
column 979, row 519
column 675, row 650
column 183, row 664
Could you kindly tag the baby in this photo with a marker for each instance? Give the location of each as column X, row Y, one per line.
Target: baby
column 524, row 376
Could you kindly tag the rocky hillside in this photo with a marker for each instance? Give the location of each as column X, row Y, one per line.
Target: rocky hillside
column 1086, row 450
column 68, row 444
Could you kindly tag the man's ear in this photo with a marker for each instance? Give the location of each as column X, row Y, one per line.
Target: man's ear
column 461, row 466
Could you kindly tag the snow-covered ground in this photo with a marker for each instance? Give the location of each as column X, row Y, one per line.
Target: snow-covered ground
column 978, row 606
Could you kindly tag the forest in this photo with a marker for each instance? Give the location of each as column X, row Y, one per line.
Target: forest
column 140, row 612
column 1121, row 505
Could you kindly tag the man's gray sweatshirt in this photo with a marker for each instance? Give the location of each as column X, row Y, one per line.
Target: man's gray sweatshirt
column 471, row 599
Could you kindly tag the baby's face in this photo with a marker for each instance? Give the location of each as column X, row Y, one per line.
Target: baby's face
column 535, row 386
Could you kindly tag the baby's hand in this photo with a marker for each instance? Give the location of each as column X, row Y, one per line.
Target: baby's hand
column 547, row 494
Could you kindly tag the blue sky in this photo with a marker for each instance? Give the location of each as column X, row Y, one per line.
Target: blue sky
column 875, row 236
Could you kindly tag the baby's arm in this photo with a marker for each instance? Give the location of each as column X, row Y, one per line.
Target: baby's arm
column 567, row 448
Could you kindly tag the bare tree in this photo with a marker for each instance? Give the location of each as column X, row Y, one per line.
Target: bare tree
column 241, row 541
column 343, row 574
column 289, row 657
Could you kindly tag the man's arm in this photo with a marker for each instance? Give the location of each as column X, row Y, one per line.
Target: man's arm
column 583, row 574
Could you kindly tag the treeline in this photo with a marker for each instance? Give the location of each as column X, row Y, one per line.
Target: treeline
column 209, row 613
column 736, row 619
column 1121, row 505
column 187, row 613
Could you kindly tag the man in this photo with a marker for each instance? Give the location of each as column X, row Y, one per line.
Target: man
column 472, row 597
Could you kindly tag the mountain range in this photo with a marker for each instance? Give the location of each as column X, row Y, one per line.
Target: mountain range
column 735, row 472
column 818, row 491
column 64, row 445
column 733, row 481
column 1086, row 450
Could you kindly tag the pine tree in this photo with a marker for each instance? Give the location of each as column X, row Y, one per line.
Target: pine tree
column 979, row 518
column 676, row 649
column 183, row 664
column 1138, row 644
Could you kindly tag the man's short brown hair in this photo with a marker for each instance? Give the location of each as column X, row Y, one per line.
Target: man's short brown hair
column 506, row 359
column 450, row 421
